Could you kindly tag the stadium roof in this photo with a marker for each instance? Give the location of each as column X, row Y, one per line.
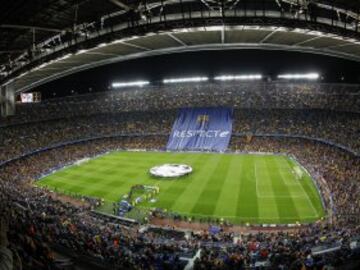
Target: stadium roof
column 44, row 40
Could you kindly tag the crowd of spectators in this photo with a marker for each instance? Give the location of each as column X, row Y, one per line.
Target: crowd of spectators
column 294, row 250
column 335, row 127
column 19, row 139
column 254, row 95
column 38, row 220
column 268, row 117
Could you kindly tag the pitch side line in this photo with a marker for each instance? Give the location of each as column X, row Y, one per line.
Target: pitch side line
column 286, row 180
column 220, row 216
column 307, row 195
column 259, row 194
column 282, row 196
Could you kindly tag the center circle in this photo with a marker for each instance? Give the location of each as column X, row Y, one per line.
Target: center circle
column 170, row 170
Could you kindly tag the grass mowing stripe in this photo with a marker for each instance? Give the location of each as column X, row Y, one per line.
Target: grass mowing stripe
column 187, row 200
column 98, row 183
column 239, row 198
column 303, row 205
column 311, row 190
column 221, row 185
column 268, row 208
column 177, row 187
column 228, row 199
column 248, row 207
column 306, row 179
column 286, row 205
column 209, row 197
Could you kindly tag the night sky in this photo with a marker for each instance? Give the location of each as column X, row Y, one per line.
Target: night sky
column 206, row 63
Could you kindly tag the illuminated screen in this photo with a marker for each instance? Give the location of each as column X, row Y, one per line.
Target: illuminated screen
column 27, row 97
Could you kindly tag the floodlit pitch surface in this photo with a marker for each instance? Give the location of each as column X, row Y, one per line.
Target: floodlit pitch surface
column 240, row 188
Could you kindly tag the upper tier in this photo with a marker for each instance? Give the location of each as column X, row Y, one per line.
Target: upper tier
column 249, row 95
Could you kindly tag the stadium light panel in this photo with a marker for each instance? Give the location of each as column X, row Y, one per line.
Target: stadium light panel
column 129, row 84
column 238, row 77
column 188, row 79
column 306, row 76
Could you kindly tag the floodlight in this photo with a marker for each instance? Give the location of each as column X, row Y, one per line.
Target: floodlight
column 305, row 76
column 238, row 77
column 129, row 84
column 188, row 79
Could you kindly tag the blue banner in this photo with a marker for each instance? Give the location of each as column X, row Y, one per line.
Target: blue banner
column 206, row 129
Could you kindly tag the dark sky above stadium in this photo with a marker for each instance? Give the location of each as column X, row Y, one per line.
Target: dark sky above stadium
column 207, row 63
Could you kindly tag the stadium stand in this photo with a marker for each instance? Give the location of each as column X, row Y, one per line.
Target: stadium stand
column 30, row 136
column 339, row 97
column 42, row 218
column 42, row 222
column 316, row 123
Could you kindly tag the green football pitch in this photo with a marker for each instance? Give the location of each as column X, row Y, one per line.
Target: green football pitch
column 241, row 188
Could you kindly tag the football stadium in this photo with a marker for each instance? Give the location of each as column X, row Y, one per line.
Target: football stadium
column 180, row 134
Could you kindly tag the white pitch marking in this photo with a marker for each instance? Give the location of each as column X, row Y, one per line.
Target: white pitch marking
column 200, row 215
column 256, row 182
column 308, row 198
